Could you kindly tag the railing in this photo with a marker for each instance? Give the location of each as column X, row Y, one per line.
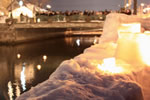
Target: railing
column 57, row 18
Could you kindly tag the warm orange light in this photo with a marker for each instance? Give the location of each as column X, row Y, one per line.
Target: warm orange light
column 18, row 56
column 39, row 67
column 134, row 48
column 130, row 28
column 95, row 41
column 109, row 66
column 143, row 43
column 44, row 58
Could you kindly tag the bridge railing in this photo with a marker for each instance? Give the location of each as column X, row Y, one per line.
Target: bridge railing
column 57, row 18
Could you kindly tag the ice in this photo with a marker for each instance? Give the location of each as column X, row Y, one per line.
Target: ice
column 81, row 79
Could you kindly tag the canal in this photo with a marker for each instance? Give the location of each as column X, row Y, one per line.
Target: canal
column 26, row 65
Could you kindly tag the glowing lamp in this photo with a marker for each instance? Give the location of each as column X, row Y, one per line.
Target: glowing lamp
column 44, row 58
column 20, row 3
column 39, row 67
column 1, row 13
column 48, row 6
column 130, row 28
column 109, row 66
column 134, row 48
column 38, row 20
column 18, row 56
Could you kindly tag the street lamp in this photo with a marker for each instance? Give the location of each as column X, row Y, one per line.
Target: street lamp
column 142, row 4
column 20, row 3
column 48, row 7
column 127, row 5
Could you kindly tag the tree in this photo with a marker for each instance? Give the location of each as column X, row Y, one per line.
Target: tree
column 135, row 7
column 4, row 4
column 40, row 3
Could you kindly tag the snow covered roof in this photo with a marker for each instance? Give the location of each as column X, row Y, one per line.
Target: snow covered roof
column 24, row 10
column 15, row 4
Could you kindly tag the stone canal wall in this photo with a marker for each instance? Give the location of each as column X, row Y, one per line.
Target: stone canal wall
column 18, row 33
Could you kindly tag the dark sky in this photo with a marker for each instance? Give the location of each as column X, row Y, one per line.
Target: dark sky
column 97, row 5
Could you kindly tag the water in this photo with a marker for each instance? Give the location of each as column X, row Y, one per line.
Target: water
column 26, row 65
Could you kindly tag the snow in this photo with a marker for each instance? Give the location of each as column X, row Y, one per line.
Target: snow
column 81, row 79
column 24, row 10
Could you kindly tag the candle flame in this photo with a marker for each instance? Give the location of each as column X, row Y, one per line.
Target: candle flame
column 109, row 66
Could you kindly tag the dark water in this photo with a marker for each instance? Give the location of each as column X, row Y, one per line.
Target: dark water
column 24, row 66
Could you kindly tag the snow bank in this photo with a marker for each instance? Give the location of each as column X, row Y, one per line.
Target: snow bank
column 81, row 79
column 114, row 20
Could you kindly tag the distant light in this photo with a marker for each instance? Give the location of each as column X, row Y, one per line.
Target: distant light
column 142, row 4
column 78, row 42
column 1, row 13
column 127, row 5
column 39, row 67
column 38, row 20
column 18, row 56
column 48, row 6
column 44, row 58
column 21, row 3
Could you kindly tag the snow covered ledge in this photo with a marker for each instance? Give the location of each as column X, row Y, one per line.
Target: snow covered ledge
column 114, row 21
column 81, row 79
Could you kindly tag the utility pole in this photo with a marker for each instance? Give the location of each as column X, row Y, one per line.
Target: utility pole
column 135, row 7
column 11, row 15
column 125, row 2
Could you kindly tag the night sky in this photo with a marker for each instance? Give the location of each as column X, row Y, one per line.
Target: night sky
column 97, row 5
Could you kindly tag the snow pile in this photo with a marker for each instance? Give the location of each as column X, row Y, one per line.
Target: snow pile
column 81, row 79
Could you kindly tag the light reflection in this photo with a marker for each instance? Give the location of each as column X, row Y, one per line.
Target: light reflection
column 78, row 42
column 39, row 67
column 44, row 58
column 18, row 56
column 18, row 92
column 22, row 78
column 69, row 41
column 95, row 40
column 10, row 90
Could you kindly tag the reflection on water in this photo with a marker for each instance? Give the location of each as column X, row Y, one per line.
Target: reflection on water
column 18, row 92
column 10, row 90
column 22, row 78
column 24, row 66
